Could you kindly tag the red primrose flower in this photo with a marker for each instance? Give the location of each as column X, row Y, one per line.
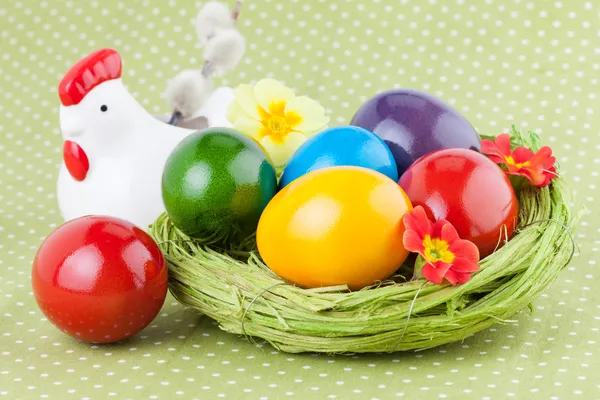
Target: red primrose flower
column 444, row 253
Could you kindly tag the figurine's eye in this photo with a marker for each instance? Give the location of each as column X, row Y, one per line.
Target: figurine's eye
column 103, row 108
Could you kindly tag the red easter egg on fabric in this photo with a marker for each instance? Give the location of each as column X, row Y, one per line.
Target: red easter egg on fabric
column 467, row 189
column 99, row 279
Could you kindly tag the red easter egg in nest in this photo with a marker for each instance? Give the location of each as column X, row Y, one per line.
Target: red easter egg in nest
column 99, row 279
column 467, row 189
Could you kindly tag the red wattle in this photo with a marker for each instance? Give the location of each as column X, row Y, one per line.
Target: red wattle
column 76, row 160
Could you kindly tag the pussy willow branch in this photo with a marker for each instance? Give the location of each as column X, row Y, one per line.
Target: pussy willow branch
column 236, row 10
column 207, row 69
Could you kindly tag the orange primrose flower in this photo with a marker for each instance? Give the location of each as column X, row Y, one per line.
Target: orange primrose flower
column 537, row 167
column 444, row 253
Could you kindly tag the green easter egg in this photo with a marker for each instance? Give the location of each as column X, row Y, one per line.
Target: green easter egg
column 217, row 182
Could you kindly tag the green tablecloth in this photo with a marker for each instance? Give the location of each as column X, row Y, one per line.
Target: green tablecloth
column 535, row 64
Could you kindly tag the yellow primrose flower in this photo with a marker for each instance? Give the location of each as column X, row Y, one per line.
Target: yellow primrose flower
column 270, row 113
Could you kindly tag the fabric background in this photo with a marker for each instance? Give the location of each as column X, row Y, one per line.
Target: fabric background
column 535, row 64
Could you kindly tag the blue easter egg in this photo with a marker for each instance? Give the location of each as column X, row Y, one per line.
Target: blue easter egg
column 343, row 145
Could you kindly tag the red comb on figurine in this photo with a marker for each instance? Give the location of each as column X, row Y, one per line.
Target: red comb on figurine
column 100, row 66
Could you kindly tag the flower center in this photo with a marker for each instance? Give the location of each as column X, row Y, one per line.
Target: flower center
column 510, row 160
column 437, row 250
column 278, row 125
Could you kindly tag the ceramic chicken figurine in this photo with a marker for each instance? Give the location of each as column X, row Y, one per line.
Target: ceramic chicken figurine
column 114, row 151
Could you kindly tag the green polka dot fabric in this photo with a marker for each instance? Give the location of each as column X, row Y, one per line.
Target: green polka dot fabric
column 532, row 63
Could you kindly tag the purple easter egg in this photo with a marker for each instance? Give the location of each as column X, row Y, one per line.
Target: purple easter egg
column 414, row 123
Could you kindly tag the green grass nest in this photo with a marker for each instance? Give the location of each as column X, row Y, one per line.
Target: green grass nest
column 235, row 288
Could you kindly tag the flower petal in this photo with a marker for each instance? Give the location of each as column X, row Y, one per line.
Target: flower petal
column 522, row 154
column 268, row 91
column 463, row 278
column 535, row 174
column 280, row 153
column 543, row 157
column 463, row 265
column 413, row 242
column 432, row 274
column 549, row 174
column 312, row 114
column 464, row 249
column 244, row 96
column 497, row 149
column 513, row 169
column 455, row 277
column 448, row 232
column 541, row 171
column 488, row 147
column 451, row 277
column 496, row 159
column 234, row 111
column 503, row 143
column 435, row 273
column 248, row 126
column 417, row 221
column 519, row 172
column 436, row 229
column 442, row 266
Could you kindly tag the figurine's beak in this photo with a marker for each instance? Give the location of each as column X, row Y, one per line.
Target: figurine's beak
column 175, row 118
column 71, row 133
column 71, row 124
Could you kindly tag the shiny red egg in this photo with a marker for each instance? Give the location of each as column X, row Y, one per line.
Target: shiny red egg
column 467, row 189
column 99, row 279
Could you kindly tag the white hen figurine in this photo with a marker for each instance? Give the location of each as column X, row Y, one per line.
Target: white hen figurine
column 115, row 151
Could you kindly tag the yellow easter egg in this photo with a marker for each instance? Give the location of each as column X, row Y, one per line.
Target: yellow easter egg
column 335, row 226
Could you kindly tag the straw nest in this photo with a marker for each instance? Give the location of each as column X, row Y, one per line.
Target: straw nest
column 234, row 287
